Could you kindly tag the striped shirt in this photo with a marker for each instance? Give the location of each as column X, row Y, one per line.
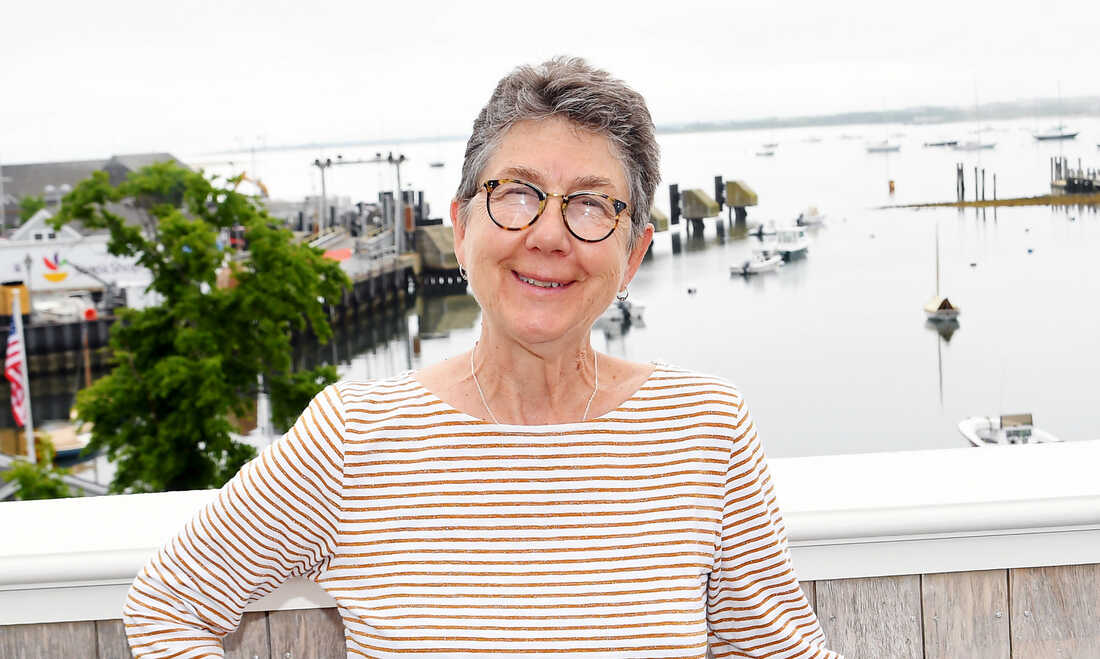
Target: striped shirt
column 649, row 532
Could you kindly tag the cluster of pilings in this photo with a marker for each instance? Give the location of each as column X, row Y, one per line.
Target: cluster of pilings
column 1070, row 180
column 979, row 183
column 694, row 205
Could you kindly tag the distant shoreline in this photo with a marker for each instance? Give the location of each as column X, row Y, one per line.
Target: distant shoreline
column 921, row 115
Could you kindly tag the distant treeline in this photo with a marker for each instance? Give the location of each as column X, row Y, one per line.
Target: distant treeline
column 926, row 114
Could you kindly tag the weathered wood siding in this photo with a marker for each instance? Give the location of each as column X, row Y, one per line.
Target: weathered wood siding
column 1026, row 613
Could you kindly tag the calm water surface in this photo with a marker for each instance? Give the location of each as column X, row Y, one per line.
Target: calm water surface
column 832, row 352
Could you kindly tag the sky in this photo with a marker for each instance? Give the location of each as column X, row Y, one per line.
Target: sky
column 87, row 80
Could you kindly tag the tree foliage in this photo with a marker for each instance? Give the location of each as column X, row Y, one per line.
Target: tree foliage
column 40, row 480
column 181, row 368
column 30, row 205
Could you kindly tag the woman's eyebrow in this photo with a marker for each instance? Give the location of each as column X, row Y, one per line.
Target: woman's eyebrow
column 523, row 173
column 589, row 182
column 531, row 176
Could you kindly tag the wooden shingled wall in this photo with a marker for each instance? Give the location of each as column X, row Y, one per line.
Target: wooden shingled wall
column 1024, row 613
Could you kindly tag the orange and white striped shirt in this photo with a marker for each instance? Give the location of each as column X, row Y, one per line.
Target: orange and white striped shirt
column 649, row 532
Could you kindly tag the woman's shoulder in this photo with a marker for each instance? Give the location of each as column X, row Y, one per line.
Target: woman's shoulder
column 677, row 376
column 384, row 392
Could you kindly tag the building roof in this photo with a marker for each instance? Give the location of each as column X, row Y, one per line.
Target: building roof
column 31, row 179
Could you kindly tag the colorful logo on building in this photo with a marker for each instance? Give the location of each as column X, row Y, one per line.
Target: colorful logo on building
column 53, row 268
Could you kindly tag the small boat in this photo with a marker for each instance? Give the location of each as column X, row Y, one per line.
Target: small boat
column 791, row 241
column 943, row 143
column 810, row 217
column 623, row 311
column 763, row 260
column 1058, row 132
column 940, row 309
column 763, row 229
column 973, row 145
column 771, row 145
column 766, row 153
column 883, row 147
column 1004, row 430
column 437, row 163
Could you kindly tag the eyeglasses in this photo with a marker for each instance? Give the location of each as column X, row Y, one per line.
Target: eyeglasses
column 515, row 205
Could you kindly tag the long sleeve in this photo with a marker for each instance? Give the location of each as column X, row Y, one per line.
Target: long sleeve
column 755, row 607
column 276, row 519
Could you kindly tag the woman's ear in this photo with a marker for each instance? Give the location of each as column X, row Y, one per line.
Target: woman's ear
column 459, row 229
column 637, row 253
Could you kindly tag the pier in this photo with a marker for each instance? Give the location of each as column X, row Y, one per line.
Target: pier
column 999, row 558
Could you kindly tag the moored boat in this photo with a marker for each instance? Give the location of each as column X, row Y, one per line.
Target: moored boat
column 1058, row 132
column 810, row 217
column 1007, row 429
column 940, row 309
column 763, row 260
column 883, row 147
column 791, row 241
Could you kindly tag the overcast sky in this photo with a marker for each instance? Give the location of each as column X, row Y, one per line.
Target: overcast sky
column 90, row 79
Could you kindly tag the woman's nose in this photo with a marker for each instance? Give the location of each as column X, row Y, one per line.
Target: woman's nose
column 549, row 233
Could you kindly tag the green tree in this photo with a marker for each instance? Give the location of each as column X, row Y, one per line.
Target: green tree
column 30, row 205
column 181, row 368
column 40, row 480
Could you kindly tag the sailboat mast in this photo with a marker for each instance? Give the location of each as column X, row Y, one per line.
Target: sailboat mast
column 937, row 258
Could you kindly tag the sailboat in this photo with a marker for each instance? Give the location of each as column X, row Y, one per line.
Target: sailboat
column 1058, row 132
column 940, row 309
column 975, row 144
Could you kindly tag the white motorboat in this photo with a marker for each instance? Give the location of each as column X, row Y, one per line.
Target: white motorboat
column 810, row 217
column 791, row 241
column 883, row 147
column 763, row 260
column 623, row 311
column 764, row 229
column 1004, row 430
column 1058, row 132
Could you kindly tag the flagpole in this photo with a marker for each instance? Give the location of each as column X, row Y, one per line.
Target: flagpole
column 17, row 318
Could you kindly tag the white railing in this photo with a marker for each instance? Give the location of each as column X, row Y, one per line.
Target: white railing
column 847, row 516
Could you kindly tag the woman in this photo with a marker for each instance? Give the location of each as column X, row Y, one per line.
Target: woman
column 529, row 497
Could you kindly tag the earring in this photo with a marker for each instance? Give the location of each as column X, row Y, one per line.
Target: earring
column 462, row 272
column 622, row 295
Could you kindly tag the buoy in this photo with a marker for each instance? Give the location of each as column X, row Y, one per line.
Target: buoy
column 891, row 186
column 90, row 314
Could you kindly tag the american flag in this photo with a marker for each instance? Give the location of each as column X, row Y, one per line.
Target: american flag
column 14, row 368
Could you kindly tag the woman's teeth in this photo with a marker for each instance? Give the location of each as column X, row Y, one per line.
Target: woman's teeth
column 536, row 282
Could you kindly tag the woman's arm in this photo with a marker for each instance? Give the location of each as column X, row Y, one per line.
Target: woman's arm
column 755, row 606
column 276, row 519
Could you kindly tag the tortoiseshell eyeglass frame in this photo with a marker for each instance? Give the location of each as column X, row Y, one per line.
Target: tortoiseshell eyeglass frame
column 493, row 184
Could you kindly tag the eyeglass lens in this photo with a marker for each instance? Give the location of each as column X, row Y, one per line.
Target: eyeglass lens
column 513, row 205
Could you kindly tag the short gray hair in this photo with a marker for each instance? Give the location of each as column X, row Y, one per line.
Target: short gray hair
column 588, row 97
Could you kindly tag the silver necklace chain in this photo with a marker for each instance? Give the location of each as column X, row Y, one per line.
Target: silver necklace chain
column 595, row 367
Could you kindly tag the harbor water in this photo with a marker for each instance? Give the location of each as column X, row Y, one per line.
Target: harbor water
column 832, row 351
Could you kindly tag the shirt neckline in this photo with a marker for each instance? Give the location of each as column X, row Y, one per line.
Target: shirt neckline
column 657, row 367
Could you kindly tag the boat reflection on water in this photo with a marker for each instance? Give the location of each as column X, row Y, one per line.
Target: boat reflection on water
column 945, row 328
